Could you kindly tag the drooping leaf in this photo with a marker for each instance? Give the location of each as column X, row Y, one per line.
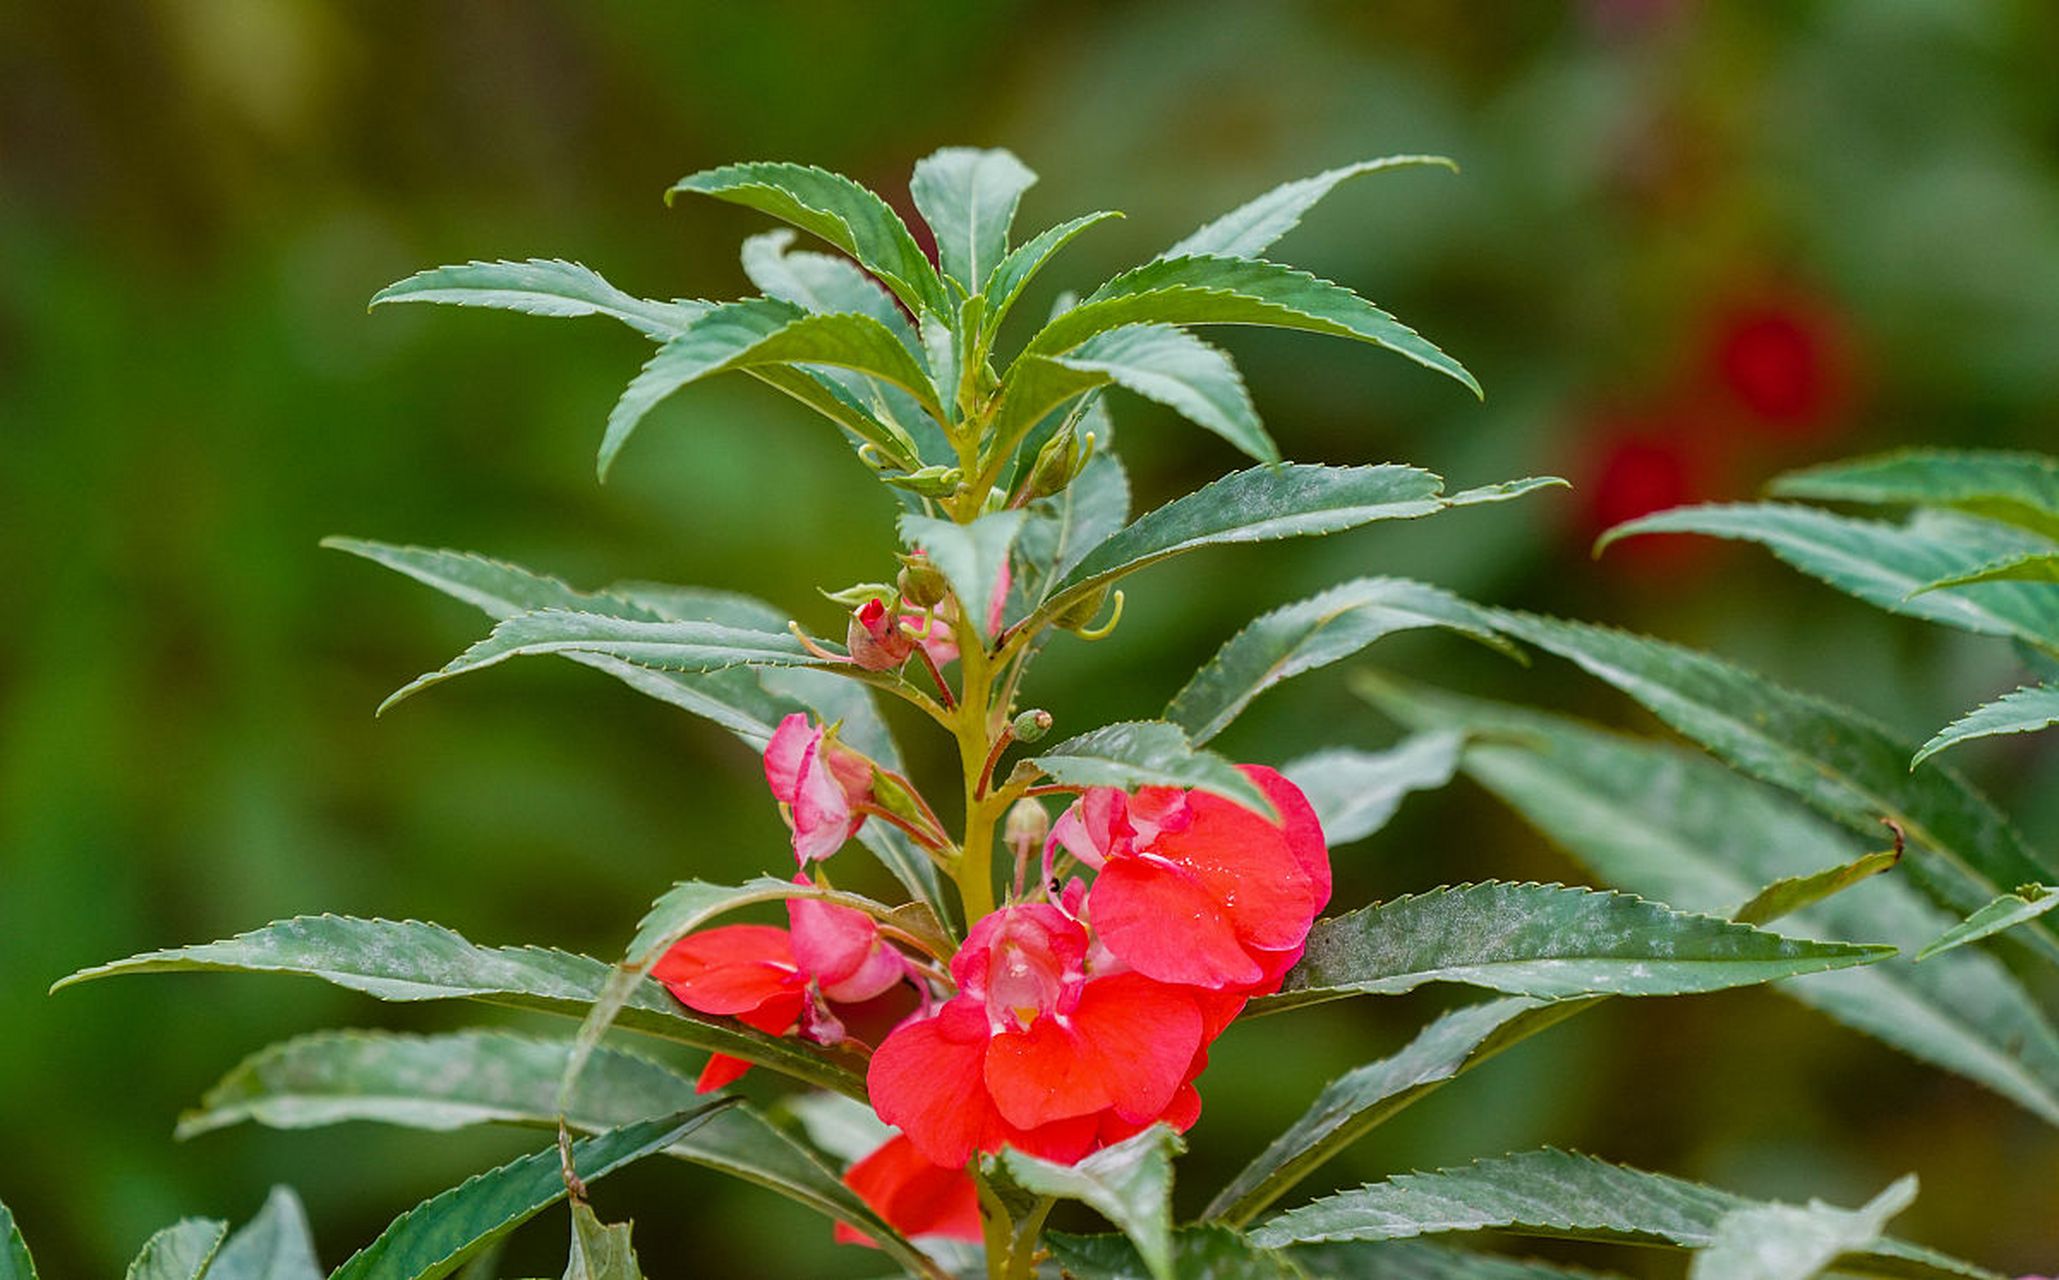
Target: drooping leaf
column 15, row 1262
column 1354, row 792
column 1544, row 940
column 1180, row 371
column 180, row 1251
column 1264, row 503
column 1147, row 753
column 2024, row 710
column 1021, row 265
column 761, row 332
column 2033, row 566
column 1208, row 1251
column 968, row 195
column 2005, row 912
column 600, row 1251
column 833, row 208
column 1363, row 1098
column 438, row 1235
column 409, row 960
column 1129, row 1183
column 1796, row 1242
column 970, row 556
column 1208, row 289
column 1793, row 893
column 1250, row 229
column 2019, row 488
column 1560, row 1194
column 1886, row 565
column 1678, row 827
column 541, row 287
column 1420, row 1260
column 275, row 1245
column 1962, row 851
column 1313, row 633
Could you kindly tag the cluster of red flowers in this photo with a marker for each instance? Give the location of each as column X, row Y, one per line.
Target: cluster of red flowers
column 1077, row 1014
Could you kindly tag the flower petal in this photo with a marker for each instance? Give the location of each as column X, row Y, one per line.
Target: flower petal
column 792, row 742
column 1044, row 1073
column 1162, row 921
column 1141, row 1037
column 931, row 1087
column 915, row 1196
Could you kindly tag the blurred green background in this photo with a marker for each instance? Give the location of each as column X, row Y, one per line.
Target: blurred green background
column 1694, row 244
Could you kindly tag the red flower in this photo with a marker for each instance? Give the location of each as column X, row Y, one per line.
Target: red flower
column 1198, row 890
column 819, row 781
column 1787, row 362
column 916, row 1197
column 1034, row 1051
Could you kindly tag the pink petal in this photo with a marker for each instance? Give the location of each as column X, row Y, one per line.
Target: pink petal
column 792, row 743
column 821, row 811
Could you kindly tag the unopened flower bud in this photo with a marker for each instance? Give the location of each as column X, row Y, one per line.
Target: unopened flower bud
column 921, row 583
column 875, row 638
column 1057, row 463
column 1027, row 827
column 1032, row 725
column 1082, row 612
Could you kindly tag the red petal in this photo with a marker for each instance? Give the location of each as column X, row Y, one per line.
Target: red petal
column 1045, row 1073
column 1142, row 1036
column 1062, row 1140
column 1165, row 923
column 932, row 1088
column 721, row 1071
column 1265, row 886
column 916, row 1197
column 731, row 970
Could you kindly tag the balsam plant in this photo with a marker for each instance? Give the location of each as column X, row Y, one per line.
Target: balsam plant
column 1084, row 909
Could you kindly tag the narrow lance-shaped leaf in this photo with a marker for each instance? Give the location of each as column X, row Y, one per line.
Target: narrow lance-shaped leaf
column 1147, row 753
column 1021, row 265
column 1794, row 893
column 1355, row 792
column 1678, row 827
column 1250, row 229
column 180, row 1251
column 1796, row 1242
column 1544, row 940
column 1312, row 633
column 1962, row 850
column 438, row 1235
column 970, row 556
column 2006, row 912
column 834, row 208
column 541, row 287
column 1886, row 565
column 1265, row 503
column 2025, row 710
column 275, row 1245
column 1204, row 1252
column 821, row 283
column 1178, row 370
column 2033, row 566
column 1559, row 1194
column 2019, row 488
column 409, row 960
column 15, row 1262
column 968, row 196
column 1129, row 1183
column 1217, row 290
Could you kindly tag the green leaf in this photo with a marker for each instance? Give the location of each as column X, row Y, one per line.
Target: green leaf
column 1021, row 265
column 1544, row 940
column 1035, row 389
column 1419, row 1260
column 833, row 208
column 663, row 646
column 1963, row 851
column 180, row 1251
column 1796, row 1242
column 844, row 1127
column 1678, row 827
column 1559, row 1194
column 1786, row 896
column 1147, row 753
column 2024, row 710
column 1264, row 503
column 2034, row 566
column 541, row 287
column 1314, row 633
column 759, row 332
column 275, row 1245
column 600, row 1251
column 15, row 1262
column 1180, row 371
column 438, row 1235
column 1204, row 1252
column 968, row 196
column 2005, row 912
column 1250, row 229
column 1064, row 527
column 409, row 960
column 1360, row 1100
column 1886, row 565
column 2019, row 488
column 1216, row 290
column 1354, row 792
column 1129, row 1183
column 970, row 556
column 820, row 283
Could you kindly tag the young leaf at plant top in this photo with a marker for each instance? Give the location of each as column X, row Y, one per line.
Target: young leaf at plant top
column 1128, row 1183
column 2005, row 912
column 1559, row 1194
column 180, row 1251
column 275, row 1245
column 1796, row 1242
column 2025, row 710
column 1355, row 792
column 1250, row 229
column 2017, row 488
column 1016, row 270
column 968, row 196
column 15, row 1262
column 1676, row 826
column 434, row 1237
column 1204, row 1252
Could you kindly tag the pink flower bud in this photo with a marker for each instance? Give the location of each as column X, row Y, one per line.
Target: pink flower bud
column 819, row 781
column 875, row 638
